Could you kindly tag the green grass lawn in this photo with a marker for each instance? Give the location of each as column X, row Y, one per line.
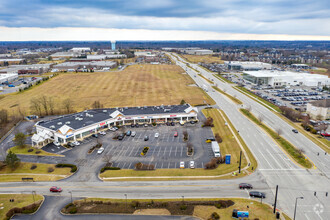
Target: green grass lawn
column 20, row 200
column 287, row 146
column 234, row 99
column 40, row 173
column 228, row 146
column 265, row 103
column 24, row 150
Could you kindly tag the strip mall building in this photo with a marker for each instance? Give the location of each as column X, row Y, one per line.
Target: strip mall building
column 80, row 125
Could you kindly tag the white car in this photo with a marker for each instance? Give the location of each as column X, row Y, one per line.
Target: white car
column 76, row 143
column 133, row 134
column 156, row 135
column 102, row 133
column 112, row 129
column 56, row 143
column 192, row 165
column 182, row 165
column 100, row 151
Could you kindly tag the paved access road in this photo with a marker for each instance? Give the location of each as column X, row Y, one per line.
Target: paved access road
column 274, row 164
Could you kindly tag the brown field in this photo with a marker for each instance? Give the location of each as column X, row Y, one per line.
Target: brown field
column 202, row 58
column 137, row 85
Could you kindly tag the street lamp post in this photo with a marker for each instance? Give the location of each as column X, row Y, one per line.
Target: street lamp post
column 71, row 195
column 295, row 207
column 125, row 201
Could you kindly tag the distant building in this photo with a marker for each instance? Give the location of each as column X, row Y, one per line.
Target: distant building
column 319, row 110
column 80, row 49
column 199, row 52
column 7, row 62
column 247, row 66
column 300, row 66
column 96, row 65
column 285, row 78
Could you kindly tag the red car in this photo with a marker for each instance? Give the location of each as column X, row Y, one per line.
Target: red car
column 55, row 189
column 325, row 134
column 176, row 134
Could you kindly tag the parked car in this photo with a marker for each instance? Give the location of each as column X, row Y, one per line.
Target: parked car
column 121, row 137
column 95, row 135
column 192, row 122
column 146, row 138
column 157, row 135
column 245, row 186
column 137, row 125
column 325, row 134
column 172, row 123
column 76, row 143
column 192, row 164
column 113, row 129
column 55, row 189
column 132, row 125
column 257, row 194
column 175, row 134
column 70, row 144
column 128, row 133
column 182, row 165
column 133, row 134
column 146, row 125
column 102, row 133
column 56, row 143
column 294, row 130
column 100, row 151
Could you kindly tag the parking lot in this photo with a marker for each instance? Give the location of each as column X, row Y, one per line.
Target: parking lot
column 165, row 151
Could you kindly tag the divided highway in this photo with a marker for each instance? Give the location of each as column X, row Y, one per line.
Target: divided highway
column 274, row 164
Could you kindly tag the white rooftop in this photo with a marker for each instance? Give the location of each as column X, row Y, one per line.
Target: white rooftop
column 272, row 73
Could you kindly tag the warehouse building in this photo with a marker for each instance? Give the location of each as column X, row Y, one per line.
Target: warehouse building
column 8, row 77
column 247, row 66
column 199, row 52
column 285, row 78
column 319, row 110
column 73, row 66
column 80, row 125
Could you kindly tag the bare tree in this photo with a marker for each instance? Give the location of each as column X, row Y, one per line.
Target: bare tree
column 44, row 103
column 107, row 159
column 260, row 118
column 279, row 132
column 35, row 106
column 68, row 105
column 51, row 105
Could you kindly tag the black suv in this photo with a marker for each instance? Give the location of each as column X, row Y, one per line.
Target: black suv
column 121, row 137
column 257, row 194
column 245, row 186
column 294, row 131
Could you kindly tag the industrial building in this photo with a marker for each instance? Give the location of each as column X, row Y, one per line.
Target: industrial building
column 285, row 78
column 319, row 110
column 80, row 125
column 73, row 66
column 199, row 52
column 247, row 66
column 8, row 77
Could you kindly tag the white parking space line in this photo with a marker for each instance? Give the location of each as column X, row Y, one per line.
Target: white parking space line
column 162, row 165
column 170, row 151
column 168, row 165
column 176, row 149
column 181, row 151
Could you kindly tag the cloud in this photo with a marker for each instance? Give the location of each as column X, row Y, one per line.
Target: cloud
column 107, row 34
column 235, row 16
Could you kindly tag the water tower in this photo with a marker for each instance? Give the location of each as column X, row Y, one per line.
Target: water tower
column 113, row 45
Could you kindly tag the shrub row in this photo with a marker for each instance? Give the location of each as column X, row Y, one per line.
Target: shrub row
column 109, row 168
column 25, row 210
column 62, row 165
column 141, row 166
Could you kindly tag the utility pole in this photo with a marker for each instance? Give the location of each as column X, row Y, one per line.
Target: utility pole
column 275, row 199
column 240, row 161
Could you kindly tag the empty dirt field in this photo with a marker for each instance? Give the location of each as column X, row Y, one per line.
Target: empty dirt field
column 202, row 58
column 137, row 85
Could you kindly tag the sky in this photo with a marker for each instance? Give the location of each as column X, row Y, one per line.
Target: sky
column 164, row 20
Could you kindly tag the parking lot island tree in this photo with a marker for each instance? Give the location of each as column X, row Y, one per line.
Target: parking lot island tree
column 20, row 139
column 12, row 160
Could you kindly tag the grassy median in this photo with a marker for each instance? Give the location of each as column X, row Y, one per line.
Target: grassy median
column 37, row 171
column 229, row 145
column 223, row 78
column 209, row 81
column 282, row 142
column 20, row 200
column 201, row 208
column 234, row 99
column 32, row 151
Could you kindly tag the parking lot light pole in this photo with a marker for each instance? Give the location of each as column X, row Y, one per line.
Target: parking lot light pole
column 295, row 207
column 125, row 201
column 71, row 195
